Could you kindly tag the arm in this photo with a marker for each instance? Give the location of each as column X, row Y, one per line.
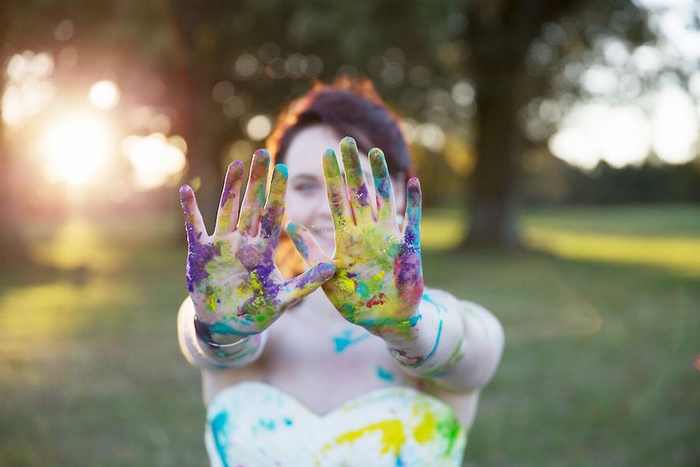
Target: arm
column 205, row 354
column 456, row 344
column 378, row 282
column 235, row 290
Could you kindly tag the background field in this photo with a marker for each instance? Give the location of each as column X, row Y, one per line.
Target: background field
column 602, row 365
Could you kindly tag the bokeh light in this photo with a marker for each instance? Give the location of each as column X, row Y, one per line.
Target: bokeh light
column 259, row 127
column 104, row 94
column 154, row 158
column 665, row 124
column 29, row 87
column 73, row 148
column 675, row 126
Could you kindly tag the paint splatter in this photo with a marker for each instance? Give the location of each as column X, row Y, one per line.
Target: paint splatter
column 231, row 276
column 393, row 426
column 218, row 430
column 378, row 282
column 385, row 375
column 267, row 424
column 345, row 339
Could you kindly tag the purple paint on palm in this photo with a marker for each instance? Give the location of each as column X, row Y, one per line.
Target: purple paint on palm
column 199, row 254
column 270, row 225
column 408, row 275
column 362, row 195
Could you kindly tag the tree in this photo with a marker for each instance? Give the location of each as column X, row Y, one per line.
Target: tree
column 500, row 37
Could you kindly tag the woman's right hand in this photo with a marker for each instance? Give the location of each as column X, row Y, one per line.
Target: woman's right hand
column 234, row 284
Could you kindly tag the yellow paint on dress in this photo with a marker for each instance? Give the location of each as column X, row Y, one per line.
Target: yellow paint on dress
column 393, row 437
column 424, row 432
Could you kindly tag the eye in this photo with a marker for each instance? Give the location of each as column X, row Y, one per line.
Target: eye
column 306, row 187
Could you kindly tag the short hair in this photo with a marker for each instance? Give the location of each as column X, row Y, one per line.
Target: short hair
column 350, row 107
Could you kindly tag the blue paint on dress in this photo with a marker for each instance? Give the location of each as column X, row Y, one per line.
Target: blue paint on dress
column 218, row 431
column 267, row 424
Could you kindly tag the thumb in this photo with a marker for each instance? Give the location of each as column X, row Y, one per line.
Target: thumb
column 305, row 283
column 306, row 244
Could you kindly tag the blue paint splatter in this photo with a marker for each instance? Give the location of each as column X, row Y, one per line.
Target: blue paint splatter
column 345, row 340
column 218, row 430
column 439, row 306
column 385, row 375
column 288, row 422
column 436, row 343
column 267, row 424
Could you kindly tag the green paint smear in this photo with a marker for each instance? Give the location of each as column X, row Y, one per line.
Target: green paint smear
column 450, row 430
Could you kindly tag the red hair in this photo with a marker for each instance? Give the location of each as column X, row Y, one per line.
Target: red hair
column 351, row 107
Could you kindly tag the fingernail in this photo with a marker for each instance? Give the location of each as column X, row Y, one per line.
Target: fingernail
column 348, row 143
column 326, row 269
column 261, row 153
column 282, row 170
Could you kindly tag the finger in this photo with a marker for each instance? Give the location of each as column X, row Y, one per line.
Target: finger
column 305, row 283
column 306, row 244
column 254, row 198
column 270, row 226
column 337, row 194
column 412, row 219
column 228, row 204
column 194, row 224
column 386, row 205
column 359, row 196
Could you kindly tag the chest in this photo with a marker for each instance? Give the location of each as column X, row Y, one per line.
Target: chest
column 318, row 357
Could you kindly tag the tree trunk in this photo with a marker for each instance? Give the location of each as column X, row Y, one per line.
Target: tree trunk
column 494, row 220
column 13, row 246
column 497, row 35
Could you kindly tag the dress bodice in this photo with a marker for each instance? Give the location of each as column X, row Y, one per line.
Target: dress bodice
column 254, row 424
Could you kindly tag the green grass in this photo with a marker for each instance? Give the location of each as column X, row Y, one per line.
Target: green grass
column 603, row 328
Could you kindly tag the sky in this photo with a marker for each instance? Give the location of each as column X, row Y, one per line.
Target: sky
column 664, row 122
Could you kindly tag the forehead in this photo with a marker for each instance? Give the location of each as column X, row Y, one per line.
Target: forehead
column 305, row 152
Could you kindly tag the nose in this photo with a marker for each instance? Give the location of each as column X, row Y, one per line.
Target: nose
column 319, row 211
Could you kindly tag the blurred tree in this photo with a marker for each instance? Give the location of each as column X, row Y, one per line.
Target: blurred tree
column 512, row 49
column 446, row 65
column 12, row 244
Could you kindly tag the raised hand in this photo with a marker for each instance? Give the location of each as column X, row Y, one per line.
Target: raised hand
column 378, row 281
column 235, row 286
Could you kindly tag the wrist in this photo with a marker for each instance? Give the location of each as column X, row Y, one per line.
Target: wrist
column 207, row 353
column 437, row 342
column 227, row 350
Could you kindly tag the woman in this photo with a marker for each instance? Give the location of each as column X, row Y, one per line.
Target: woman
column 353, row 361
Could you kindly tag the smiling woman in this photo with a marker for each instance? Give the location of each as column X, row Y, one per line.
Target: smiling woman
column 350, row 361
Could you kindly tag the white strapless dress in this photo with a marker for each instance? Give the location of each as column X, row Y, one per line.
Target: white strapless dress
column 256, row 425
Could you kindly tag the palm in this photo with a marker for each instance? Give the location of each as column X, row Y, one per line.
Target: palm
column 378, row 281
column 231, row 276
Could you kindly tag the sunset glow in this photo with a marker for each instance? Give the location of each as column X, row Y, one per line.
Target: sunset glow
column 74, row 147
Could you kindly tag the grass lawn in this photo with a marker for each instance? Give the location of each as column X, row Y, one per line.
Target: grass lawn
column 602, row 366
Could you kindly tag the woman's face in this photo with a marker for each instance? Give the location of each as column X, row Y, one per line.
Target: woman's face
column 306, row 200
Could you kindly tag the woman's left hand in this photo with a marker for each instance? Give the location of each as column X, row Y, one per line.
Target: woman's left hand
column 378, row 281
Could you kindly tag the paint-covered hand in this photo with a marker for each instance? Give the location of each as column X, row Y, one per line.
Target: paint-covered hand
column 231, row 276
column 378, row 281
